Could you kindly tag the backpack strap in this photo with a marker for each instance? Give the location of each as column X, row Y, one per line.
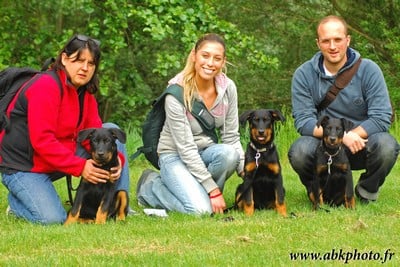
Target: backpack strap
column 199, row 111
column 342, row 80
column 47, row 63
column 53, row 74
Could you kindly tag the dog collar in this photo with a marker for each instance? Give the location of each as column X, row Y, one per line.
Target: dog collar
column 259, row 150
column 329, row 162
column 334, row 154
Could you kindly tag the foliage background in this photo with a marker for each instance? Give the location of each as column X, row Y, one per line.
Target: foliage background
column 146, row 42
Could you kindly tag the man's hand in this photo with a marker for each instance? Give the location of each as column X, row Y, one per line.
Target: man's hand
column 354, row 142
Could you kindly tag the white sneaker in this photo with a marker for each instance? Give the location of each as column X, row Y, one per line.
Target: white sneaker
column 132, row 212
column 9, row 211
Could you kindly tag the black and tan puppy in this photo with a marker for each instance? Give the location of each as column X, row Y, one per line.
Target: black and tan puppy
column 333, row 181
column 262, row 187
column 97, row 202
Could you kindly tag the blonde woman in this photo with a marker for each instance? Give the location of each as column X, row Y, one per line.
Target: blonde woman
column 193, row 168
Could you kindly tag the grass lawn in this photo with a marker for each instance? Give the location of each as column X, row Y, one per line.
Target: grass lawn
column 366, row 236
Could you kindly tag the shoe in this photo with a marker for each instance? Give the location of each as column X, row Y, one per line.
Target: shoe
column 9, row 212
column 132, row 212
column 362, row 199
column 142, row 180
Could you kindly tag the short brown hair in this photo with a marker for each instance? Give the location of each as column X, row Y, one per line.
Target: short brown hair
column 333, row 18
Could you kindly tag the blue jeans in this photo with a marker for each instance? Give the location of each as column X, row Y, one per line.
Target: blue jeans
column 175, row 188
column 32, row 196
column 377, row 158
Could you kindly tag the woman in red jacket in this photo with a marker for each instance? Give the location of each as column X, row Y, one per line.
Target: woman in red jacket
column 41, row 143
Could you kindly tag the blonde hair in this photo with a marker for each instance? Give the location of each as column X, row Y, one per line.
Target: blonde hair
column 189, row 72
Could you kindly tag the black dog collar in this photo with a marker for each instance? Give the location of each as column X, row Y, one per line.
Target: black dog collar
column 259, row 150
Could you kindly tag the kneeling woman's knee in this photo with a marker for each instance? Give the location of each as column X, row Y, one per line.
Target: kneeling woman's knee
column 110, row 125
column 49, row 219
column 199, row 207
column 202, row 209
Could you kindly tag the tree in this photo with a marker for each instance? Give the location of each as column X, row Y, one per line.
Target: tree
column 287, row 29
column 146, row 42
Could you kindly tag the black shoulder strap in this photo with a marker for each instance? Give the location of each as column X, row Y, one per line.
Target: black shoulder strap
column 342, row 80
column 199, row 111
column 174, row 90
column 47, row 63
column 57, row 79
column 46, row 69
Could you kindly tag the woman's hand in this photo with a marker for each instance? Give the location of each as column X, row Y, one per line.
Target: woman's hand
column 217, row 201
column 116, row 172
column 93, row 174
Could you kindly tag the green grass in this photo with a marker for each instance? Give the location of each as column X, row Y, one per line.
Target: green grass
column 265, row 239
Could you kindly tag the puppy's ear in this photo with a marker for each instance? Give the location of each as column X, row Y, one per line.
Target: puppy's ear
column 322, row 121
column 118, row 134
column 85, row 134
column 277, row 115
column 245, row 116
column 347, row 124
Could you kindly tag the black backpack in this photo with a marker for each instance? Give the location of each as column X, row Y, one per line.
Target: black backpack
column 154, row 123
column 11, row 81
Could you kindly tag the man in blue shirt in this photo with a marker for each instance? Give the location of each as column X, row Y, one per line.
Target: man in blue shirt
column 365, row 101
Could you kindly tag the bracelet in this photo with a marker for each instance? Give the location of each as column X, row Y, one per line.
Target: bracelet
column 217, row 195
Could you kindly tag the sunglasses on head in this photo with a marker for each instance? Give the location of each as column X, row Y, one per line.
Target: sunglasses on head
column 84, row 38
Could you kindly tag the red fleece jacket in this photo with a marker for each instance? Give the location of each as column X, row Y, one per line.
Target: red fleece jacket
column 44, row 128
